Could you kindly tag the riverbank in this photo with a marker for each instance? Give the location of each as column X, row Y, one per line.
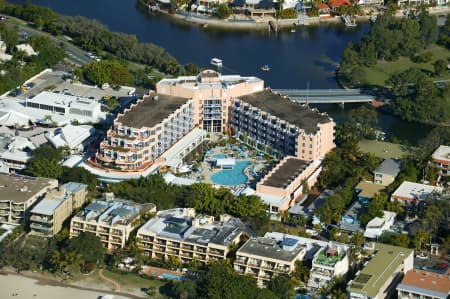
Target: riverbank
column 242, row 22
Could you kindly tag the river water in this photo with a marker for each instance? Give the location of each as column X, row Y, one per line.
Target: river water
column 308, row 55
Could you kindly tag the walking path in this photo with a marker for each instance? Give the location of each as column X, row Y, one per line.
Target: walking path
column 115, row 283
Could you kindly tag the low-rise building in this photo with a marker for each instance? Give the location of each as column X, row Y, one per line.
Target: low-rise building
column 283, row 184
column 378, row 225
column 15, row 152
column 73, row 137
column 419, row 284
column 381, row 274
column 179, row 233
column 60, row 108
column 441, row 159
column 386, row 172
column 47, row 217
column 328, row 263
column 409, row 193
column 112, row 221
column 366, row 191
column 18, row 194
column 264, row 257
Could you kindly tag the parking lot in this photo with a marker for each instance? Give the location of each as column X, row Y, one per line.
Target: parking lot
column 55, row 81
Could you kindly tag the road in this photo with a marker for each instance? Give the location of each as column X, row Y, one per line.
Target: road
column 76, row 55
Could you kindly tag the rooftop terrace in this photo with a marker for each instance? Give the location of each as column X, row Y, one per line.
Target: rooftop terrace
column 329, row 257
column 286, row 250
column 281, row 107
column 290, row 169
column 151, row 111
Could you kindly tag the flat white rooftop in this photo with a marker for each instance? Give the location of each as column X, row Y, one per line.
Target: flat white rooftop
column 442, row 153
column 414, row 191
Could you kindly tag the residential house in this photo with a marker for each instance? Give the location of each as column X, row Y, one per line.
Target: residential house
column 73, row 137
column 386, row 173
column 15, row 152
column 378, row 225
column 409, row 193
column 367, row 190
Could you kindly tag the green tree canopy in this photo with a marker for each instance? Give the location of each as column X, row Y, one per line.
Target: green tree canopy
column 45, row 162
column 107, row 71
column 88, row 246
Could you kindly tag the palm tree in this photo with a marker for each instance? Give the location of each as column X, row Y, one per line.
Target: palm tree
column 338, row 294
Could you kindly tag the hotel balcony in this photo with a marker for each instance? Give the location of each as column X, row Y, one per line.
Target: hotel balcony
column 4, row 212
column 36, row 218
column 4, row 205
column 40, row 227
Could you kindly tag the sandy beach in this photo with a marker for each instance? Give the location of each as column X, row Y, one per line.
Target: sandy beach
column 31, row 288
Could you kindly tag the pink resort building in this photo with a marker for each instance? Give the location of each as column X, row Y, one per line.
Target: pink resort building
column 161, row 129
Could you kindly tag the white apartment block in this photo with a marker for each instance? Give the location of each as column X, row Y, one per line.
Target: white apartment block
column 179, row 233
column 111, row 221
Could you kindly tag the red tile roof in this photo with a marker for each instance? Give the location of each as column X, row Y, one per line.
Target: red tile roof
column 427, row 280
column 322, row 6
column 339, row 3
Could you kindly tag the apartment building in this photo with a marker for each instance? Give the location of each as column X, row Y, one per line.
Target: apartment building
column 145, row 131
column 419, row 284
column 264, row 257
column 285, row 182
column 276, row 125
column 180, row 233
column 111, row 221
column 19, row 194
column 441, row 159
column 47, row 217
column 381, row 274
column 386, row 172
column 328, row 262
column 212, row 94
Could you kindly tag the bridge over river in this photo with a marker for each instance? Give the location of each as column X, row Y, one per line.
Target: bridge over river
column 326, row 96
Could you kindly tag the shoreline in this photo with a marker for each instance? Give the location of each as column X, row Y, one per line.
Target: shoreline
column 263, row 23
column 36, row 285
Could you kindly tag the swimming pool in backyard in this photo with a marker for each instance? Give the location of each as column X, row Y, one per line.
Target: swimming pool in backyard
column 231, row 177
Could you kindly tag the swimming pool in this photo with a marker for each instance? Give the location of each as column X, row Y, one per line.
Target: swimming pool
column 171, row 276
column 231, row 177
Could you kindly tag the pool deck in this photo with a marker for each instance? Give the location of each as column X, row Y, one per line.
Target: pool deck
column 156, row 272
column 207, row 172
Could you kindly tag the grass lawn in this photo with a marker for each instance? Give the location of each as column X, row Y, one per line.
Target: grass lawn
column 133, row 280
column 378, row 74
column 382, row 149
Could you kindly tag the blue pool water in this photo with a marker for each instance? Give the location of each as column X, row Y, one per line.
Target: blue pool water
column 219, row 156
column 231, row 177
column 172, row 276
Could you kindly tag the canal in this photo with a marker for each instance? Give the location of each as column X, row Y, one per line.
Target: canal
column 295, row 58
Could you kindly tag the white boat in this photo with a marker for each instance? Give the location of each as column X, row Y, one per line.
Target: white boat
column 349, row 21
column 293, row 30
column 216, row 62
column 265, row 68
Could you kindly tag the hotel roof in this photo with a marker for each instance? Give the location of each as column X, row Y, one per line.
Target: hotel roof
column 151, row 111
column 299, row 115
column 282, row 176
column 286, row 250
column 47, row 206
column 379, row 269
column 19, row 189
column 426, row 283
